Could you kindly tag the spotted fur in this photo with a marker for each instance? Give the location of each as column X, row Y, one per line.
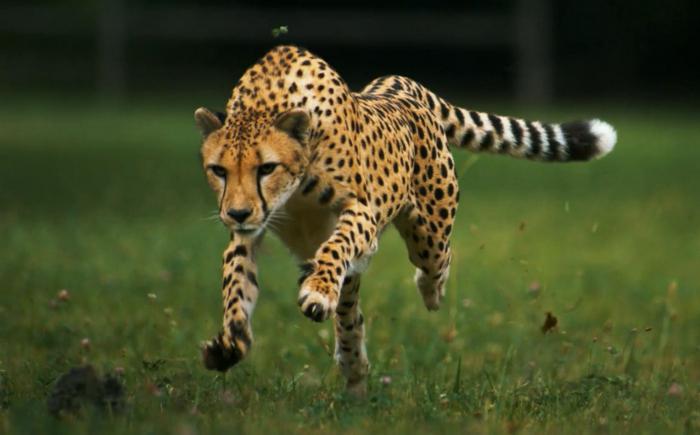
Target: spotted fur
column 327, row 169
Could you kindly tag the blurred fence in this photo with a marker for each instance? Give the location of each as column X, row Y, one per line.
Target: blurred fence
column 525, row 28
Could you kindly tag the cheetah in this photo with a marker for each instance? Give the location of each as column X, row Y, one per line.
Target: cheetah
column 327, row 170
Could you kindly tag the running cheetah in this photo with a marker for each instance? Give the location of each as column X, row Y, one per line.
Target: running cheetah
column 327, row 170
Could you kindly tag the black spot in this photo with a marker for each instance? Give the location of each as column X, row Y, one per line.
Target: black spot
column 444, row 110
column 238, row 330
column 306, row 270
column 487, row 141
column 450, row 131
column 467, row 138
column 229, row 257
column 240, row 251
column 252, row 278
column 460, row 116
column 423, row 151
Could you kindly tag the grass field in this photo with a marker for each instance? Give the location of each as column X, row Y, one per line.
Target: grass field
column 111, row 205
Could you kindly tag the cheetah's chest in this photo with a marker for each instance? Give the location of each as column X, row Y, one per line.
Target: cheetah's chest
column 305, row 226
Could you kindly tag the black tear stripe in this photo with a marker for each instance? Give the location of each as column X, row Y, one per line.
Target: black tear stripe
column 310, row 184
column 223, row 195
column 262, row 198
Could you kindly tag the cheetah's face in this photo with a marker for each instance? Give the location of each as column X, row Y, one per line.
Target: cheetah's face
column 254, row 174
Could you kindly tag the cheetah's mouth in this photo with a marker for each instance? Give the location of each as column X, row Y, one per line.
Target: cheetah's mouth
column 245, row 231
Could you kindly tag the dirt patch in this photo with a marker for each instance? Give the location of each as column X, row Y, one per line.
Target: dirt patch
column 82, row 386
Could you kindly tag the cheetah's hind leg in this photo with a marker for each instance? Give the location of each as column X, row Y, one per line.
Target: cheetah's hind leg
column 429, row 251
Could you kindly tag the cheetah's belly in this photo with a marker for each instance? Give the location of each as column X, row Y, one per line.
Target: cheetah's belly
column 305, row 226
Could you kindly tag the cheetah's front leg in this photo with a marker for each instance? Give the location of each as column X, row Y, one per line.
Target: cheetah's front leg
column 352, row 242
column 240, row 292
column 350, row 351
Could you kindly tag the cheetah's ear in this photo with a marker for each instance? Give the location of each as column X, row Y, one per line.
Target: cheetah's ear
column 295, row 123
column 208, row 121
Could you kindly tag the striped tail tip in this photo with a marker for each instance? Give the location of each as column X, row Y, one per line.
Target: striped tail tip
column 589, row 140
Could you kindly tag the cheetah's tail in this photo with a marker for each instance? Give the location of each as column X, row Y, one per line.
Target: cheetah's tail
column 485, row 132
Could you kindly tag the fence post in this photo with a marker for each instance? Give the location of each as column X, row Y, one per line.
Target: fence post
column 533, row 45
column 111, row 44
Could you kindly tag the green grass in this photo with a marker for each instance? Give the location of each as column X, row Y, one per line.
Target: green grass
column 111, row 205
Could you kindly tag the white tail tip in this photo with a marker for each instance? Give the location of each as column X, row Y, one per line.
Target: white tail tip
column 606, row 136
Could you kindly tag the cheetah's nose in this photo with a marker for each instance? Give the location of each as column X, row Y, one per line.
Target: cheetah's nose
column 239, row 215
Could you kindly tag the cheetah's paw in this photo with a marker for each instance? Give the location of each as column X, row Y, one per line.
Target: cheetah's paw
column 315, row 305
column 223, row 352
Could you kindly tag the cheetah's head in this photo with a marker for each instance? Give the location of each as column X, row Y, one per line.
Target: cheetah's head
column 253, row 164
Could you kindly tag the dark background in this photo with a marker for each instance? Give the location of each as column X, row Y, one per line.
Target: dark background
column 592, row 49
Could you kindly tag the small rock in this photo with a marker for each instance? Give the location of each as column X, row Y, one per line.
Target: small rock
column 675, row 390
column 449, row 334
column 534, row 288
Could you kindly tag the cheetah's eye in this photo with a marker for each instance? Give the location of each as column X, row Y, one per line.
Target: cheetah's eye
column 267, row 168
column 219, row 171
